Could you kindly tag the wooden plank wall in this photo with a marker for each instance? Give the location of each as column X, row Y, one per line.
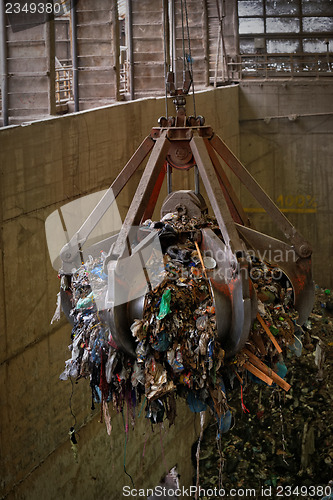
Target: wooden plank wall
column 228, row 11
column 97, row 52
column 30, row 72
column 213, row 33
column 62, row 39
column 31, row 53
column 148, row 42
column 148, row 49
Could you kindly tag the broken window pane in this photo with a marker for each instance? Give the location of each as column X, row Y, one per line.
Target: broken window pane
column 317, row 7
column 282, row 7
column 250, row 8
column 282, row 25
column 251, row 25
column 317, row 45
column 319, row 24
column 282, row 46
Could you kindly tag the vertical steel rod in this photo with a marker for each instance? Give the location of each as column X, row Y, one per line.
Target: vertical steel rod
column 74, row 57
column 173, row 35
column 50, row 61
column 169, row 178
column 196, row 180
column 130, row 46
column 4, row 66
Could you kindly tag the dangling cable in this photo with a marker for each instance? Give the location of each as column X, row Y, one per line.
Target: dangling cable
column 190, row 56
column 125, row 444
column 70, row 402
column 197, row 455
column 165, row 60
column 183, row 35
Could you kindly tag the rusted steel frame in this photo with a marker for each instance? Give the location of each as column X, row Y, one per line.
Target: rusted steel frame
column 132, row 165
column 232, row 200
column 182, row 133
column 219, row 204
column 71, row 249
column 154, row 195
column 302, row 247
column 142, row 194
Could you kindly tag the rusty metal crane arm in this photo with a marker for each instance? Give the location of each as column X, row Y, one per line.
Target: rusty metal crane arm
column 70, row 253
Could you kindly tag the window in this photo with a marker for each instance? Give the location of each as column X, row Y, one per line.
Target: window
column 285, row 26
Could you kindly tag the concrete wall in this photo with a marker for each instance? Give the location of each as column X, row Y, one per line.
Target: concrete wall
column 44, row 165
column 286, row 142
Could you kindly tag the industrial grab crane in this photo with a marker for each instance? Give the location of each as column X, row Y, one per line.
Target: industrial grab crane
column 185, row 143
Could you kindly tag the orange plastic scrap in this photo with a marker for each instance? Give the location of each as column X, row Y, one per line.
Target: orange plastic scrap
column 258, row 373
column 239, row 377
column 269, row 333
column 201, row 259
column 267, row 371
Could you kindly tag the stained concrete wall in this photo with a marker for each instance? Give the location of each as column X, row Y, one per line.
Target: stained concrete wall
column 286, row 142
column 44, row 165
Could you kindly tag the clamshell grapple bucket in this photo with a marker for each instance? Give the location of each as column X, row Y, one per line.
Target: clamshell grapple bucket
column 133, row 257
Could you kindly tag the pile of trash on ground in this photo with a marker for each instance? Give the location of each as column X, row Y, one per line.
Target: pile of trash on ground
column 278, row 438
column 178, row 353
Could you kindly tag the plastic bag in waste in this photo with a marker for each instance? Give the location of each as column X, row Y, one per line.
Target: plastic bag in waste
column 71, row 370
column 165, row 304
column 110, row 365
column 138, row 375
column 297, row 347
column 175, row 359
column 281, row 369
column 195, row 404
column 162, row 342
column 85, row 301
column 224, row 422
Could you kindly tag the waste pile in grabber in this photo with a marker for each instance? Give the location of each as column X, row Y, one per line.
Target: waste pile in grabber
column 183, row 305
column 187, row 305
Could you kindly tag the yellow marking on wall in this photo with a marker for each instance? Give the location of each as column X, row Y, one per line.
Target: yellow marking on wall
column 259, row 210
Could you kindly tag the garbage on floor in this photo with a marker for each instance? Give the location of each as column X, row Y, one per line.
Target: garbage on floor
column 285, row 438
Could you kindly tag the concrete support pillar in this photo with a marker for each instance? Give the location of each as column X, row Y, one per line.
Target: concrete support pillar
column 206, row 41
column 130, row 46
column 115, row 47
column 50, row 63
column 73, row 30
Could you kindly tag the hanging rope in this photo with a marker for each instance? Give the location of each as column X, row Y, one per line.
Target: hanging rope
column 165, row 59
column 190, row 56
